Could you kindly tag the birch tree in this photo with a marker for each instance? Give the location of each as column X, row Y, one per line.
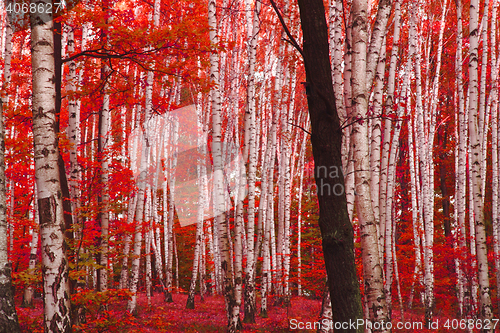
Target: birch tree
column 461, row 180
column 102, row 152
column 475, row 125
column 495, row 143
column 233, row 316
column 8, row 315
column 253, row 28
column 46, row 152
column 374, row 284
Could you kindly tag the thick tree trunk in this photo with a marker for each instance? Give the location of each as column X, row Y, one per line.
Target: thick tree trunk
column 326, row 138
column 46, row 152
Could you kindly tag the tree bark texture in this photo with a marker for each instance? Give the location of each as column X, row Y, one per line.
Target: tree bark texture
column 50, row 198
column 326, row 138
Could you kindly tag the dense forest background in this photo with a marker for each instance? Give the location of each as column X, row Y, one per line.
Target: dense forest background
column 182, row 155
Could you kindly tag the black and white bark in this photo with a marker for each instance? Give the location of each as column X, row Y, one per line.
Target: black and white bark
column 46, row 152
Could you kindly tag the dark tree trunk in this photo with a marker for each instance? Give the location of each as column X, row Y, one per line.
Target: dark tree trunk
column 68, row 217
column 8, row 315
column 326, row 139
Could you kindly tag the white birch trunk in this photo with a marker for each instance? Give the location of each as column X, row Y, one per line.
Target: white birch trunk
column 461, row 180
column 389, row 105
column 326, row 314
column 374, row 284
column 46, row 153
column 73, row 133
column 475, row 124
column 8, row 314
column 299, row 217
column 269, row 245
column 415, row 217
column 253, row 24
column 147, row 242
column 376, row 139
column 29, row 291
column 495, row 203
column 483, row 107
column 233, row 317
column 171, row 210
column 126, row 247
column 391, row 174
column 103, row 198
column 139, row 215
column 377, row 41
column 199, row 244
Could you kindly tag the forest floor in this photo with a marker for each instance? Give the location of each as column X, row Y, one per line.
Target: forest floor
column 208, row 316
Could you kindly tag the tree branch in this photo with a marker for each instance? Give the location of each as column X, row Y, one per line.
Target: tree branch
column 287, row 31
column 302, row 128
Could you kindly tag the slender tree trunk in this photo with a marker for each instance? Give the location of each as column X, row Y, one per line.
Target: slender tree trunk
column 475, row 124
column 73, row 133
column 375, row 141
column 29, row 291
column 483, row 106
column 8, row 315
column 461, row 179
column 325, row 316
column 139, row 213
column 374, row 284
column 250, row 302
column 128, row 240
column 389, row 104
column 103, row 197
column 265, row 205
column 147, row 242
column 495, row 202
column 299, row 217
column 233, row 317
column 199, row 245
column 134, row 274
column 171, row 208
